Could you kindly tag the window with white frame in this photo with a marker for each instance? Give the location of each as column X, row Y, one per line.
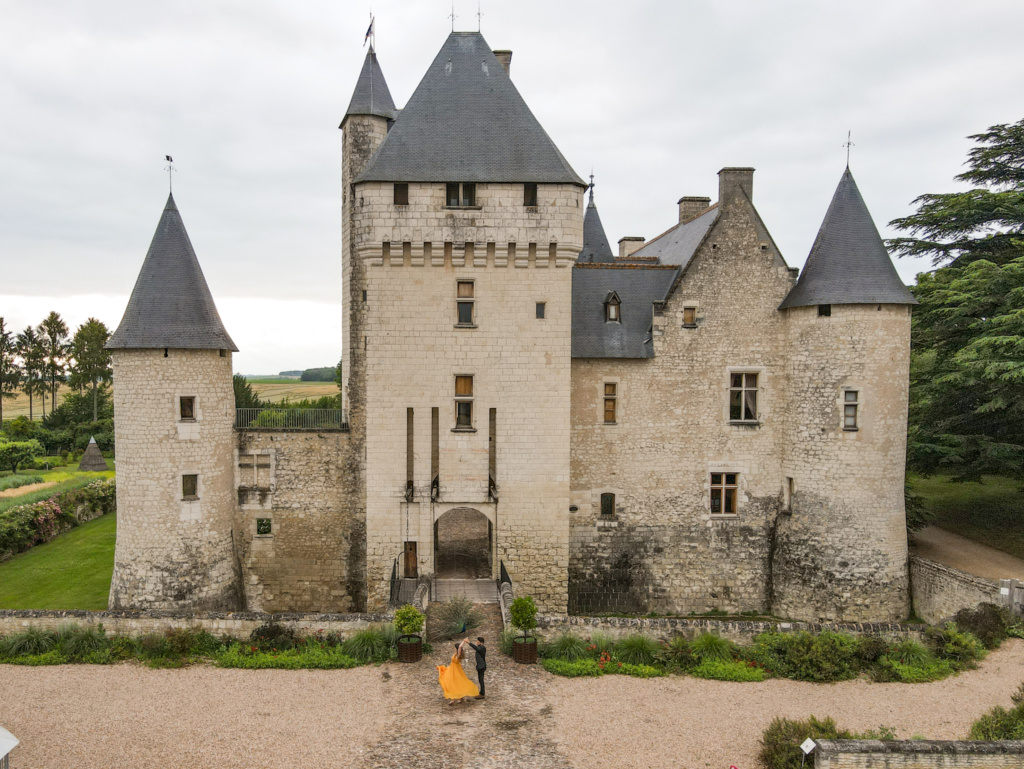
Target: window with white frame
column 743, row 397
column 851, row 409
column 724, row 490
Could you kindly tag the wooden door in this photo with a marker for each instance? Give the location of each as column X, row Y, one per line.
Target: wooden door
column 410, row 560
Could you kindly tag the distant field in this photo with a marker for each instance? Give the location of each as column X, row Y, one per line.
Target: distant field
column 991, row 512
column 277, row 390
column 15, row 407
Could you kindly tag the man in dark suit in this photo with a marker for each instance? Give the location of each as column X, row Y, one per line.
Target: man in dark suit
column 481, row 662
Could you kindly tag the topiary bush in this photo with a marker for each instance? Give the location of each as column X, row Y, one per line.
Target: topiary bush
column 524, row 614
column 409, row 620
column 637, row 650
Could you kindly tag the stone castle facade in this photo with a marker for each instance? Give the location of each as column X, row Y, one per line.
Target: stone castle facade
column 687, row 426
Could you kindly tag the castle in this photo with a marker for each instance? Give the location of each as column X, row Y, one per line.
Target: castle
column 683, row 427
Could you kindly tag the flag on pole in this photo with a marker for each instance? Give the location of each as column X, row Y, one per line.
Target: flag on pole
column 169, row 158
column 369, row 31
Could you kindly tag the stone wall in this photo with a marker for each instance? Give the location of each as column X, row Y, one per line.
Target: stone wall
column 939, row 591
column 304, row 485
column 738, row 631
column 663, row 550
column 918, row 754
column 174, row 552
column 234, row 624
column 412, row 257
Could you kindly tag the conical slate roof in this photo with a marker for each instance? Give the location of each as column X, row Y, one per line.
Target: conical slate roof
column 371, row 96
column 92, row 459
column 171, row 305
column 848, row 263
column 466, row 122
column 595, row 242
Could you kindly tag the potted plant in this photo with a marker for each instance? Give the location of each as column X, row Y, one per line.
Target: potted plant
column 524, row 617
column 409, row 624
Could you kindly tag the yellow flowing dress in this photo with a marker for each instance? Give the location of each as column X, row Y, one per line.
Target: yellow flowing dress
column 454, row 682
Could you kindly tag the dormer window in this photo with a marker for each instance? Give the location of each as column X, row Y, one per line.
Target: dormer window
column 612, row 308
column 460, row 194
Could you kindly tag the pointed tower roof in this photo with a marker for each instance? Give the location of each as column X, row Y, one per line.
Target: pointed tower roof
column 466, row 122
column 848, row 263
column 371, row 96
column 595, row 242
column 171, row 305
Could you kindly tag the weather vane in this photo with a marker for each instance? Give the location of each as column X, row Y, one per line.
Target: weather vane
column 453, row 17
column 848, row 143
column 170, row 169
column 591, row 185
column 479, row 15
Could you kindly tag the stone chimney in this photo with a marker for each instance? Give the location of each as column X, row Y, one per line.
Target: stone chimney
column 732, row 180
column 628, row 245
column 691, row 207
column 505, row 57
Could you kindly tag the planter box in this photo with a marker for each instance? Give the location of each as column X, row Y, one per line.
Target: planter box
column 410, row 648
column 525, row 650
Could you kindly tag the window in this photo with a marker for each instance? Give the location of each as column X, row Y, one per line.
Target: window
column 607, row 505
column 851, row 403
column 689, row 317
column 190, row 487
column 824, row 311
column 541, row 308
column 463, row 402
column 610, row 398
column 187, row 408
column 401, row 194
column 743, row 397
column 612, row 307
column 723, row 493
column 263, row 526
column 464, row 302
column 459, row 195
column 530, row 195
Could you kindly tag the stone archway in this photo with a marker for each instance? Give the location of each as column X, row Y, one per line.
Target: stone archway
column 463, row 545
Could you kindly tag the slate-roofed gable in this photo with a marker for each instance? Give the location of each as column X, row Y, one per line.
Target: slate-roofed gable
column 848, row 263
column 171, row 305
column 467, row 122
column 371, row 95
column 678, row 244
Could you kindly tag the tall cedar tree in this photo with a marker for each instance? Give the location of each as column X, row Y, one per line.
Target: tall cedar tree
column 245, row 397
column 10, row 374
column 967, row 367
column 30, row 350
column 54, row 333
column 91, row 361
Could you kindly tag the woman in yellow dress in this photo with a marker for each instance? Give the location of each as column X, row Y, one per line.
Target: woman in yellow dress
column 455, row 684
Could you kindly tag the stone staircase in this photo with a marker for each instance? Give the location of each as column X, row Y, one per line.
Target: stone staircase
column 474, row 590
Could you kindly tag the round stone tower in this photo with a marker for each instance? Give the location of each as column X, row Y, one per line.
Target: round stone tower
column 839, row 547
column 173, row 424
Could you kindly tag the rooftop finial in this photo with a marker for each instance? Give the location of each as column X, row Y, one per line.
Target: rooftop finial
column 170, row 169
column 591, row 187
column 479, row 15
column 848, row 143
column 452, row 16
column 371, row 34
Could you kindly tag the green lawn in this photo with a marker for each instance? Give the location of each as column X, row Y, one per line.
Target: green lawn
column 991, row 512
column 70, row 572
column 65, row 480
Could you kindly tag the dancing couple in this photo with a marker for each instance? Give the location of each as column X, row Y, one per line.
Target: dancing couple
column 455, row 684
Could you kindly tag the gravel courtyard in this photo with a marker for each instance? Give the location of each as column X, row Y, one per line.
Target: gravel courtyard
column 393, row 715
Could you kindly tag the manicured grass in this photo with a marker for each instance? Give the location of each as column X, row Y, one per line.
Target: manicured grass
column 71, row 572
column 991, row 512
column 65, row 481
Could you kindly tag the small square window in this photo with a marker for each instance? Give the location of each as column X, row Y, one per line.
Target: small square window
column 190, row 487
column 824, row 311
column 723, row 493
column 541, row 308
column 263, row 526
column 689, row 316
column 187, row 408
column 401, row 194
column 530, row 194
column 607, row 505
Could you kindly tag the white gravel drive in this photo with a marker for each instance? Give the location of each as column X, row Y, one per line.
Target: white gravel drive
column 130, row 716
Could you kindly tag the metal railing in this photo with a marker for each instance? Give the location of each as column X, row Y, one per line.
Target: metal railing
column 290, row 419
column 396, row 586
column 504, row 574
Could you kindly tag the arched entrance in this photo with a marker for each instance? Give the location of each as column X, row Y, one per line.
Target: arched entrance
column 462, row 545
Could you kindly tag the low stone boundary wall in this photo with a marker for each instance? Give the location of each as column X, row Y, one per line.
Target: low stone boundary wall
column 506, row 595
column 939, row 591
column 918, row 754
column 236, row 624
column 738, row 631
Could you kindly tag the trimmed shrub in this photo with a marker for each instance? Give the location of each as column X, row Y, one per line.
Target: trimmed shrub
column 523, row 613
column 273, row 636
column 455, row 617
column 711, row 646
column 575, row 669
column 987, row 622
column 637, row 671
column 728, row 670
column 566, row 646
column 409, row 620
column 637, row 650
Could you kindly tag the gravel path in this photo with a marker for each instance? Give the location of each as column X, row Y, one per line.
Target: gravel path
column 393, row 715
column 965, row 554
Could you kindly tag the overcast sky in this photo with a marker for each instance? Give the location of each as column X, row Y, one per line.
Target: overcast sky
column 656, row 97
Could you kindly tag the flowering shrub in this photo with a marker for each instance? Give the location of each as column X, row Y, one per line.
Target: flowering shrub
column 30, row 524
